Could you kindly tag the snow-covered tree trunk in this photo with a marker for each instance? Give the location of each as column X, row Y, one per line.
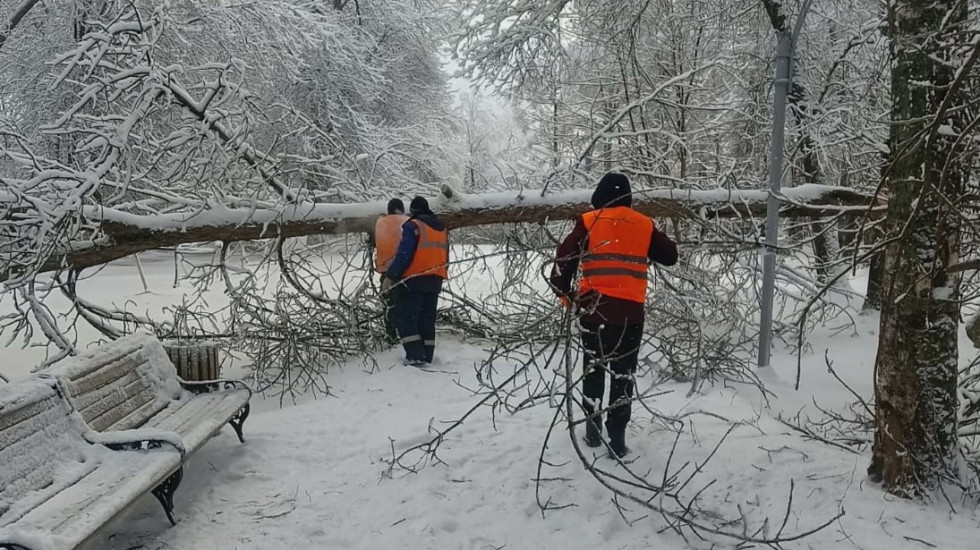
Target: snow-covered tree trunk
column 916, row 366
column 126, row 233
column 876, row 273
column 874, row 295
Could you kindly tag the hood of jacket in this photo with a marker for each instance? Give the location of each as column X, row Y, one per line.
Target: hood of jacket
column 613, row 190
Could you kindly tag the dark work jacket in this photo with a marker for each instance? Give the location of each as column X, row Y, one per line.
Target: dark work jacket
column 598, row 309
column 406, row 252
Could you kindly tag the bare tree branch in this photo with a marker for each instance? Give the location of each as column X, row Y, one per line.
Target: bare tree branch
column 15, row 18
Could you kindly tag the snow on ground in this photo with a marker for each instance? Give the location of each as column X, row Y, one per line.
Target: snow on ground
column 312, row 474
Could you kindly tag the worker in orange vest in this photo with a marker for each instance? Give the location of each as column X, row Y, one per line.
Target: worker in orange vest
column 610, row 249
column 387, row 234
column 419, row 267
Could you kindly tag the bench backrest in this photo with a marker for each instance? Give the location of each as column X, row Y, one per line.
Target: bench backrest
column 38, row 436
column 119, row 385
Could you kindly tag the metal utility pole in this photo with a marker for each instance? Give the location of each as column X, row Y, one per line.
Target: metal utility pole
column 785, row 44
column 784, row 59
column 784, row 54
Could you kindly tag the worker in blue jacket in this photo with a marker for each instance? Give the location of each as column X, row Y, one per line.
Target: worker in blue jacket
column 419, row 267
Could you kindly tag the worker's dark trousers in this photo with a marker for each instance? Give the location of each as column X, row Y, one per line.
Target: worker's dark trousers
column 614, row 349
column 388, row 294
column 415, row 316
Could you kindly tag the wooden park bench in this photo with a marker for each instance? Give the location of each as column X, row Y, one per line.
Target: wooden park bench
column 124, row 395
column 131, row 383
column 59, row 485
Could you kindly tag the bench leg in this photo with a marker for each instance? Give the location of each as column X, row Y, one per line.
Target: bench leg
column 238, row 421
column 165, row 493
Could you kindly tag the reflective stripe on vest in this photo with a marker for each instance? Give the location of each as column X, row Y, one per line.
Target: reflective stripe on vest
column 387, row 234
column 432, row 253
column 615, row 263
column 597, row 271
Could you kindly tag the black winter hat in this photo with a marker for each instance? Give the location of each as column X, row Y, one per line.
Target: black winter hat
column 419, row 206
column 613, row 190
column 396, row 206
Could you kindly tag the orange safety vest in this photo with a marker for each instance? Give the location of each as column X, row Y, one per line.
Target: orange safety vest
column 387, row 234
column 616, row 261
column 431, row 254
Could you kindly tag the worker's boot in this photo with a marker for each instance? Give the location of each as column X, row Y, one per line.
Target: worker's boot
column 617, row 443
column 593, row 425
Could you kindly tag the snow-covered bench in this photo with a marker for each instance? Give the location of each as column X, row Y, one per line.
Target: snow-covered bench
column 130, row 383
column 60, row 483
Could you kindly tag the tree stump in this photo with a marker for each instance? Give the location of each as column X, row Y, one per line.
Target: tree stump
column 196, row 360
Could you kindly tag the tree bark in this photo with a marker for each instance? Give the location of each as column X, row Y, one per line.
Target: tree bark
column 874, row 295
column 127, row 234
column 916, row 365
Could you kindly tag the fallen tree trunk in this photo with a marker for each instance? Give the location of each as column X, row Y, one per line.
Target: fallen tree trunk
column 127, row 234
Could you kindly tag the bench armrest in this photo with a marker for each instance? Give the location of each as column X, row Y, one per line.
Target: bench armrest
column 134, row 440
column 210, row 386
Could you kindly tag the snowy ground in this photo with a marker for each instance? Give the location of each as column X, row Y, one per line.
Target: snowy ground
column 312, row 474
